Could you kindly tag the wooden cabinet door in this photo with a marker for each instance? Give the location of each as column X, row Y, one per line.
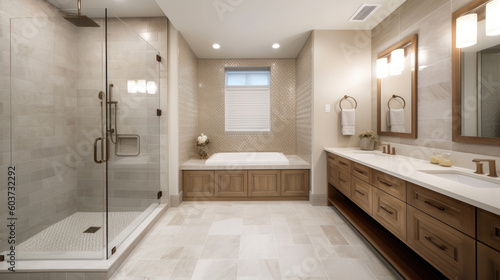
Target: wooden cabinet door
column 295, row 182
column 450, row 251
column 198, row 183
column 333, row 172
column 488, row 263
column 264, row 183
column 488, row 228
column 390, row 184
column 362, row 172
column 361, row 194
column 457, row 214
column 344, row 183
column 231, row 183
column 390, row 212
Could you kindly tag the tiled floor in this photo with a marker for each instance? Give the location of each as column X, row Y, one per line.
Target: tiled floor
column 253, row 240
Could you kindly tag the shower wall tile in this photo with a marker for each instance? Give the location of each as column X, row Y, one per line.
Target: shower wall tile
column 188, row 101
column 43, row 73
column 304, row 82
column 282, row 137
column 431, row 20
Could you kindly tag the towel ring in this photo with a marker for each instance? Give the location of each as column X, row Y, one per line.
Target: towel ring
column 347, row 97
column 394, row 97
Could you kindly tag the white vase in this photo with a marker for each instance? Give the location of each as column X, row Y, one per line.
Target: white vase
column 367, row 144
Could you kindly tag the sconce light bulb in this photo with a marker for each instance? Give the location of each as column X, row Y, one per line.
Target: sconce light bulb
column 493, row 18
column 382, row 67
column 466, row 30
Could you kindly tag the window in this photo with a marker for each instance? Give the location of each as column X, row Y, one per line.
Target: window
column 247, row 96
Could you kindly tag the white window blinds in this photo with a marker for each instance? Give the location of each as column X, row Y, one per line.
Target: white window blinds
column 248, row 109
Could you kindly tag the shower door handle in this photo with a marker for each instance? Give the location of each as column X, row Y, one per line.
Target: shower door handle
column 102, row 150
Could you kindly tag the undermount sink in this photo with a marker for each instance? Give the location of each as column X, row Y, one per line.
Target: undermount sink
column 470, row 179
column 371, row 153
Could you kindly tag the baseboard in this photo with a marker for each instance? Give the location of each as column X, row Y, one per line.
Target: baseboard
column 176, row 200
column 318, row 199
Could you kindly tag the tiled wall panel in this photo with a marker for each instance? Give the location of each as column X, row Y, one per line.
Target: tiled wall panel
column 304, row 101
column 431, row 20
column 282, row 137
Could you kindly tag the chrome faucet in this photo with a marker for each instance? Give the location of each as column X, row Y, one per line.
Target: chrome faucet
column 492, row 166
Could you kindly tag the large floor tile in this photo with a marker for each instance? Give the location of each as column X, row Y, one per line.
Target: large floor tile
column 221, row 247
column 216, row 270
column 352, row 269
column 300, row 261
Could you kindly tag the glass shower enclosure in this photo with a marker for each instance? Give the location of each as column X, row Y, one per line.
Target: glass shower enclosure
column 80, row 137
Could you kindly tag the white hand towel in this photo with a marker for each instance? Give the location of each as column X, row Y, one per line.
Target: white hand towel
column 348, row 121
column 388, row 120
column 397, row 119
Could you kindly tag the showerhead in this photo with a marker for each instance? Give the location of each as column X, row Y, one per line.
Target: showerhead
column 81, row 20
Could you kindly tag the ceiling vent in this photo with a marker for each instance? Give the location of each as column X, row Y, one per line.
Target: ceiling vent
column 364, row 12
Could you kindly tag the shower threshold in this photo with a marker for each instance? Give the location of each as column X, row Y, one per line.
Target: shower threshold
column 85, row 261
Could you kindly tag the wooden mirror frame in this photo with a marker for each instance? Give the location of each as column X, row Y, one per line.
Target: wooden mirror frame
column 413, row 41
column 457, row 81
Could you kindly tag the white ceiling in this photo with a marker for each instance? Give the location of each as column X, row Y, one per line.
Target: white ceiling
column 120, row 8
column 244, row 28
column 248, row 28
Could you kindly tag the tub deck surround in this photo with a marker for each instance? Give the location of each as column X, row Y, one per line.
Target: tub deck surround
column 408, row 169
column 295, row 162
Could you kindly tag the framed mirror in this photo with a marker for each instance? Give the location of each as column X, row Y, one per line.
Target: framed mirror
column 476, row 74
column 397, row 89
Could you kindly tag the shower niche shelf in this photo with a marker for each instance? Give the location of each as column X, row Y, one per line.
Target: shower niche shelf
column 128, row 145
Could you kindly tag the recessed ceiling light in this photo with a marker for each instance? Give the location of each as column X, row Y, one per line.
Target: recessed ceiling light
column 276, row 46
column 216, row 46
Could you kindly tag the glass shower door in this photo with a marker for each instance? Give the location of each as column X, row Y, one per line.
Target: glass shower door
column 133, row 167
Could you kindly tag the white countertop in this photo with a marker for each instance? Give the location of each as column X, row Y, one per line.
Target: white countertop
column 296, row 162
column 407, row 168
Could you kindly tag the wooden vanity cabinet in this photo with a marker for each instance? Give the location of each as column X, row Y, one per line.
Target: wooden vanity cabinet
column 488, row 228
column 488, row 263
column 390, row 212
column 361, row 194
column 449, row 250
column 390, row 184
column 452, row 212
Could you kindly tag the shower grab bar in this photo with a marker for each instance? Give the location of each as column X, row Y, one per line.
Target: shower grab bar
column 113, row 128
column 102, row 160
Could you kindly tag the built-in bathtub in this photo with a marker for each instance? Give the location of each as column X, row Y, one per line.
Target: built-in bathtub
column 247, row 159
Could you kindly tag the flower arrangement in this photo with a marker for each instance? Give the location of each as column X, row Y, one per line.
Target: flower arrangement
column 368, row 134
column 202, row 142
column 368, row 140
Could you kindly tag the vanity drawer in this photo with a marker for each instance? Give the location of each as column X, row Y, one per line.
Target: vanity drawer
column 344, row 164
column 331, row 156
column 362, row 172
column 361, row 194
column 332, row 171
column 455, row 213
column 390, row 212
column 488, row 263
column 390, row 184
column 488, row 228
column 450, row 251
column 344, row 183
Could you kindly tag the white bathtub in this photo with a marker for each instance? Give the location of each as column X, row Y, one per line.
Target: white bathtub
column 247, row 159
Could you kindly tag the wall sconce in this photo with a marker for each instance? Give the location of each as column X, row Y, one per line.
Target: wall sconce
column 397, row 62
column 131, row 86
column 382, row 67
column 466, row 30
column 151, row 87
column 493, row 18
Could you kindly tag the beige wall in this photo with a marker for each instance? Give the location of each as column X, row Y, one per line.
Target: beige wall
column 304, row 85
column 188, row 101
column 211, row 78
column 341, row 66
column 431, row 20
